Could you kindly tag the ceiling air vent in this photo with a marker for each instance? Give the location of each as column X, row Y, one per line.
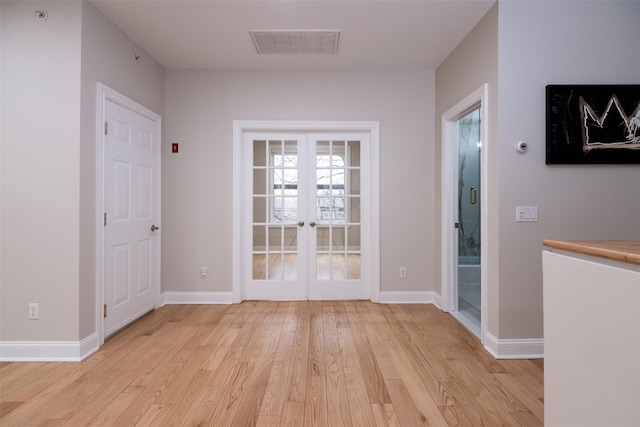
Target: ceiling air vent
column 304, row 42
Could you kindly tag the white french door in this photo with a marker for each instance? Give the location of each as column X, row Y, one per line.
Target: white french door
column 304, row 221
column 131, row 215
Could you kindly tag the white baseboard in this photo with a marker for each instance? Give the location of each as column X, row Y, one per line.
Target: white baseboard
column 196, row 298
column 422, row 297
column 48, row 351
column 514, row 348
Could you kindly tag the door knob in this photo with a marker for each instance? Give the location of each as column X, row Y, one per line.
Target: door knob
column 154, row 228
column 312, row 224
column 300, row 223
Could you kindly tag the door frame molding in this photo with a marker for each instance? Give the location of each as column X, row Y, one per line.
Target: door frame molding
column 242, row 126
column 104, row 94
column 449, row 237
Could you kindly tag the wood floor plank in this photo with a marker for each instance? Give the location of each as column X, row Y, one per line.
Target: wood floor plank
column 228, row 366
column 423, row 399
column 185, row 405
column 325, row 363
column 137, row 411
column 116, row 407
column 316, row 344
column 473, row 409
column 253, row 395
column 34, row 382
column 274, row 395
column 297, row 381
column 13, row 375
column 220, row 350
column 385, row 415
column 338, row 413
column 533, row 403
column 292, row 414
column 7, row 406
column 315, row 409
column 154, row 416
column 373, row 380
column 359, row 401
column 203, row 411
column 268, row 421
column 404, row 405
column 180, row 383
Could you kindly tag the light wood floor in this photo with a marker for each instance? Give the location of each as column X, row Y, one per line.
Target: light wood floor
column 280, row 364
column 286, row 267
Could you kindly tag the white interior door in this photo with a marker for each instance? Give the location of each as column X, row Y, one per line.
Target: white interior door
column 131, row 235
column 338, row 247
column 303, row 217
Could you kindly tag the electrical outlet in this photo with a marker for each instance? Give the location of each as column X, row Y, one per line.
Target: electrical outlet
column 33, row 310
column 403, row 272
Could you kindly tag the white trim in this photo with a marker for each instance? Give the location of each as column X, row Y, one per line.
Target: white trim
column 242, row 126
column 418, row 297
column 48, row 351
column 105, row 93
column 196, row 298
column 449, row 238
column 466, row 321
column 514, row 348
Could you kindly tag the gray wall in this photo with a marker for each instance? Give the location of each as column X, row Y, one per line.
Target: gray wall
column 557, row 42
column 108, row 58
column 518, row 48
column 40, row 169
column 200, row 109
column 473, row 63
column 48, row 198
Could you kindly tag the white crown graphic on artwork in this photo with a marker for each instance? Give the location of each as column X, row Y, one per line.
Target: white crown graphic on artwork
column 613, row 129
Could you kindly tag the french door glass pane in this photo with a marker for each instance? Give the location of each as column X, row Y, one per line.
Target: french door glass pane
column 275, row 209
column 337, row 206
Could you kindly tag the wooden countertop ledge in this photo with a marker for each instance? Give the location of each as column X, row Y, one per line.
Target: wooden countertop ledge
column 621, row 250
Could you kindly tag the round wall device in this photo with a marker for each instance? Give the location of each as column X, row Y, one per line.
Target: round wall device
column 521, row 147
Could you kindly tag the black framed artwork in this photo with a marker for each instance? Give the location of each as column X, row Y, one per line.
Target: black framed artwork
column 593, row 124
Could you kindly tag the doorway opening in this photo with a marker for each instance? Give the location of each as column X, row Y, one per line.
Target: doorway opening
column 464, row 271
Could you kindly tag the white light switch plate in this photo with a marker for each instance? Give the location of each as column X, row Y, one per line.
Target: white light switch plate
column 526, row 214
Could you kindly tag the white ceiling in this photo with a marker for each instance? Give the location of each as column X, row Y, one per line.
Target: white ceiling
column 374, row 34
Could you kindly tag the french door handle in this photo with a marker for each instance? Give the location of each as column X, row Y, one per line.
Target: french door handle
column 154, row 228
column 300, row 223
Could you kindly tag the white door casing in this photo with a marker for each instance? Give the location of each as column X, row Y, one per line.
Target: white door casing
column 314, row 134
column 449, row 242
column 129, row 210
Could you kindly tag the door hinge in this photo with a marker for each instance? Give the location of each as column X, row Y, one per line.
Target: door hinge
column 105, row 310
column 105, row 218
column 106, row 128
